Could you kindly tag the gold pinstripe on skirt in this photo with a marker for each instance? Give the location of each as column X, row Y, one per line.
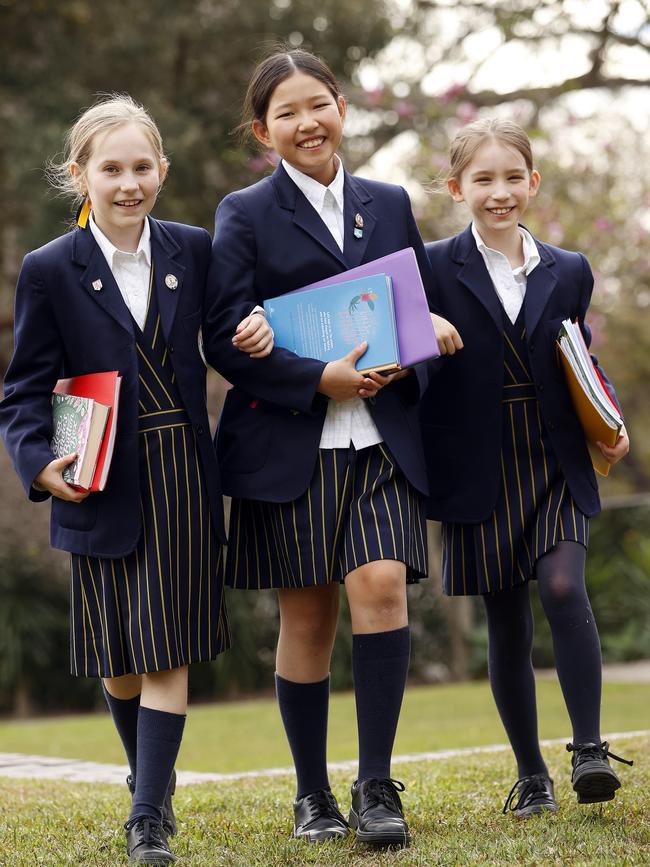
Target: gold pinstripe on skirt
column 359, row 507
column 534, row 509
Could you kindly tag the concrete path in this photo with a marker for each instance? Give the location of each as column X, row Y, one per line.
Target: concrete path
column 22, row 766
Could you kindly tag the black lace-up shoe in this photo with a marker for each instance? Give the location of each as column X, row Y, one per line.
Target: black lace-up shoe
column 318, row 818
column 146, row 842
column 376, row 813
column 593, row 779
column 531, row 796
column 168, row 818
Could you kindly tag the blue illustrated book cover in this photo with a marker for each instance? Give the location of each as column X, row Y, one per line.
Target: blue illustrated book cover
column 328, row 321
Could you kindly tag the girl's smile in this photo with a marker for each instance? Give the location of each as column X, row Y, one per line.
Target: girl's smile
column 304, row 125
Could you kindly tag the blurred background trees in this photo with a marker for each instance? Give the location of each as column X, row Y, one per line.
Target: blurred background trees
column 576, row 74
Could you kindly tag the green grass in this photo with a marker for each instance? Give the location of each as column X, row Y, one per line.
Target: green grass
column 248, row 735
column 453, row 809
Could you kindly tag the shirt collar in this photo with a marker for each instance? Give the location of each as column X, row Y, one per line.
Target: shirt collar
column 313, row 190
column 531, row 254
column 110, row 250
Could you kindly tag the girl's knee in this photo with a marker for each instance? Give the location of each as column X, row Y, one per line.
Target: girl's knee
column 378, row 591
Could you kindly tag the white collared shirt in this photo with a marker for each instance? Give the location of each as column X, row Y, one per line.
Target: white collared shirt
column 347, row 421
column 132, row 271
column 509, row 282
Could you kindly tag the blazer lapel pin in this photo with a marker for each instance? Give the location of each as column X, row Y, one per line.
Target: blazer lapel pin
column 171, row 282
column 358, row 226
column 97, row 285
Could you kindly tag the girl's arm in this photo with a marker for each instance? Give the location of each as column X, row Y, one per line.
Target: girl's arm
column 26, row 411
column 614, row 453
column 281, row 377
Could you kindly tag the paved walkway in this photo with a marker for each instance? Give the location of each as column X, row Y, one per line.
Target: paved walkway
column 48, row 768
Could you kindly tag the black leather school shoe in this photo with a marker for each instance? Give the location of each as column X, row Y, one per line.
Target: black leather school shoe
column 534, row 795
column 168, row 818
column 376, row 813
column 318, row 818
column 146, row 842
column 592, row 777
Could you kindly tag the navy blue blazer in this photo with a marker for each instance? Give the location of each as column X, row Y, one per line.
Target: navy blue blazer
column 270, row 240
column 64, row 327
column 461, row 410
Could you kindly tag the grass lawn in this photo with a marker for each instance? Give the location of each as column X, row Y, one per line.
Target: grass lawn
column 248, row 735
column 453, row 809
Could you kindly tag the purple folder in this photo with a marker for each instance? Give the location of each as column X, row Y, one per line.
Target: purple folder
column 415, row 334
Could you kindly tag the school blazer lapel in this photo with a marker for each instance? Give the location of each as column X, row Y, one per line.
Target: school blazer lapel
column 539, row 287
column 97, row 278
column 474, row 275
column 290, row 198
column 356, row 200
column 168, row 274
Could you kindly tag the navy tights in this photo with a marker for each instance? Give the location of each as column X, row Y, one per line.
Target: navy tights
column 561, row 585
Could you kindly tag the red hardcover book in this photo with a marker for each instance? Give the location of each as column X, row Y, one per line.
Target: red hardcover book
column 105, row 389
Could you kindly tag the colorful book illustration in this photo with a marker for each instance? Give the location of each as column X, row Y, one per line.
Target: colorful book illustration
column 415, row 335
column 326, row 322
column 84, row 411
column 599, row 416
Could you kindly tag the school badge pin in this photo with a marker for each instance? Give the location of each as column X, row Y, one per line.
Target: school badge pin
column 97, row 285
column 358, row 226
column 171, row 282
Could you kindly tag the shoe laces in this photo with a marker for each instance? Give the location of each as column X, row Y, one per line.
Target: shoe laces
column 385, row 792
column 147, row 830
column 528, row 789
column 587, row 752
column 322, row 803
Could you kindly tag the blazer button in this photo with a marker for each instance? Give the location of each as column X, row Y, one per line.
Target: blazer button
column 540, row 386
column 170, row 347
column 531, row 346
column 199, row 429
column 551, row 426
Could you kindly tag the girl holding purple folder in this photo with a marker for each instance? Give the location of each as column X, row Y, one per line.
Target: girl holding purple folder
column 511, row 477
column 324, row 464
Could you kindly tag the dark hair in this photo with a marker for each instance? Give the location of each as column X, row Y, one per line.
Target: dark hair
column 275, row 69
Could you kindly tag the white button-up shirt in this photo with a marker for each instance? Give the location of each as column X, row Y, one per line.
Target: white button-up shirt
column 509, row 282
column 132, row 271
column 347, row 421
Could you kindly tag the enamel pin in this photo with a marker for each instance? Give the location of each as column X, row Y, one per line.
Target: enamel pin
column 97, row 285
column 171, row 282
column 358, row 226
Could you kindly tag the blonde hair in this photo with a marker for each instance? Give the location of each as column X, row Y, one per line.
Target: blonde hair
column 111, row 111
column 471, row 137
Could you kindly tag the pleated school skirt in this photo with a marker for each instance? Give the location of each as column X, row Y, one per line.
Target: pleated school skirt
column 359, row 507
column 162, row 606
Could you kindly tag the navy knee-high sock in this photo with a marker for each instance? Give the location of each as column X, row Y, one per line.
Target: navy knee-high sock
column 304, row 710
column 510, row 638
column 125, row 716
column 560, row 576
column 380, row 662
column 159, row 739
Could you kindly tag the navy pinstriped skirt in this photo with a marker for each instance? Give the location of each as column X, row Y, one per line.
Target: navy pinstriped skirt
column 358, row 508
column 534, row 509
column 161, row 606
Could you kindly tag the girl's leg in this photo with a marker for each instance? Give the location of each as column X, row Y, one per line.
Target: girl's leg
column 380, row 659
column 510, row 640
column 123, row 699
column 163, row 704
column 307, row 630
column 561, row 581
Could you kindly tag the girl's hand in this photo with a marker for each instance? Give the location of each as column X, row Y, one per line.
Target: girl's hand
column 448, row 338
column 50, row 479
column 254, row 335
column 341, row 381
column 613, row 454
column 381, row 380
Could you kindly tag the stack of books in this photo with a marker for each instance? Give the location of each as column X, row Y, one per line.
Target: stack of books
column 382, row 302
column 84, row 421
column 599, row 416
